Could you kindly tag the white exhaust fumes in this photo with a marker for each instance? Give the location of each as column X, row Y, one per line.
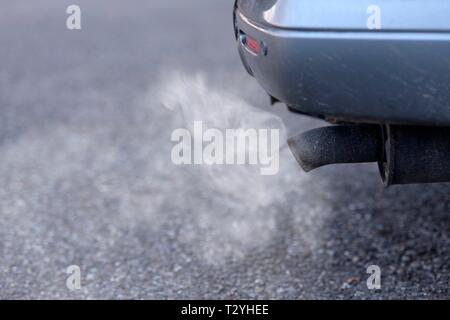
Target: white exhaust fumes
column 240, row 146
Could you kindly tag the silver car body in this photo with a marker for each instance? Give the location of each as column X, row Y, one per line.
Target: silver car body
column 322, row 58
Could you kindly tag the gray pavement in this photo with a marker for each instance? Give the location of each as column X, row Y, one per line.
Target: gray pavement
column 86, row 177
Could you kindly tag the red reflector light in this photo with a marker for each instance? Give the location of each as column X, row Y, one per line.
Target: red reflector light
column 252, row 44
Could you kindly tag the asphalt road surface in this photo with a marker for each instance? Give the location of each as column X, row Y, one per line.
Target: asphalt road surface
column 86, row 177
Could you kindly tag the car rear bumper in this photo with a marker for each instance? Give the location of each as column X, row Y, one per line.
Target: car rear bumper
column 353, row 75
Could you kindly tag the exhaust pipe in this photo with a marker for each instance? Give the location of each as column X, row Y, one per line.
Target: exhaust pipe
column 415, row 155
column 337, row 144
column 405, row 154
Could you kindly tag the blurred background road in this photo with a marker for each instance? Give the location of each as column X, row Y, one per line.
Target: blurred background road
column 86, row 177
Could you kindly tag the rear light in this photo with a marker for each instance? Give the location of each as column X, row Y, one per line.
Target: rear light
column 252, row 44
